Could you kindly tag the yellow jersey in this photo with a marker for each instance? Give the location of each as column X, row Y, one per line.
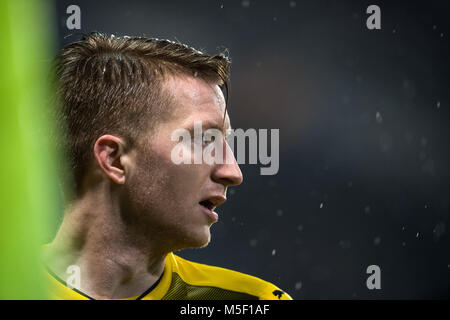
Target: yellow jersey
column 186, row 280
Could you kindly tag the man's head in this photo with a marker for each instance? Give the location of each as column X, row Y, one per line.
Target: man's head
column 121, row 99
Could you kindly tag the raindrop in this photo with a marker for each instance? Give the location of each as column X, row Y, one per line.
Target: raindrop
column 438, row 231
column 292, row 4
column 345, row 244
column 253, row 242
column 417, row 235
column 376, row 241
column 367, row 209
column 300, row 227
column 279, row 212
column 273, row 252
column 221, row 6
column 321, row 206
column 442, row 35
column 378, row 117
column 434, row 27
column 438, row 104
column 274, row 19
column 298, row 285
column 245, row 3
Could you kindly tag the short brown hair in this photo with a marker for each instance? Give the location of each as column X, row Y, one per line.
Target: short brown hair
column 109, row 84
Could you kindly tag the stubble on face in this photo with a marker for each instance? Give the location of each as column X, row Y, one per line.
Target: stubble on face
column 161, row 198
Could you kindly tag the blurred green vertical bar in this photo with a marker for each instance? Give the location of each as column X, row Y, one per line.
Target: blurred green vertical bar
column 29, row 194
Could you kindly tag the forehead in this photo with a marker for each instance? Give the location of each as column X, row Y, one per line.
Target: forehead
column 196, row 99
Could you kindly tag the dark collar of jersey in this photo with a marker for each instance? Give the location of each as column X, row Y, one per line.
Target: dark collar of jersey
column 146, row 292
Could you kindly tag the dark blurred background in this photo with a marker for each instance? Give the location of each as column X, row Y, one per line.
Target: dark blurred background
column 364, row 128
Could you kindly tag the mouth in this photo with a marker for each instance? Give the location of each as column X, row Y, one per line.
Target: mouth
column 209, row 204
column 213, row 202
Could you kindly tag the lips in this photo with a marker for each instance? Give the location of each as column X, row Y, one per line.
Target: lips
column 213, row 202
column 208, row 205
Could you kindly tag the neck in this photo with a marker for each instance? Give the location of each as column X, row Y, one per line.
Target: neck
column 95, row 237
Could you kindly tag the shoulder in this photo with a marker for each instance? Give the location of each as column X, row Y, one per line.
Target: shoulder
column 202, row 275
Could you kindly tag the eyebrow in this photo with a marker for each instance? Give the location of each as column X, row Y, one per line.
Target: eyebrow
column 208, row 124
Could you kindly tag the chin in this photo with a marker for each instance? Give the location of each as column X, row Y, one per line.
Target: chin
column 196, row 240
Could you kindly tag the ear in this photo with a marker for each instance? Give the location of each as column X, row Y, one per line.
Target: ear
column 108, row 151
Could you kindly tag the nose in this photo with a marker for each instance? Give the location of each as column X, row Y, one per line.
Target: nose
column 227, row 173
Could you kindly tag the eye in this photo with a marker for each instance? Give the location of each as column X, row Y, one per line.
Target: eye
column 207, row 138
column 203, row 139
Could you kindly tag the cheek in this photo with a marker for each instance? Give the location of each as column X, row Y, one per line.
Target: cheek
column 165, row 184
column 180, row 175
column 184, row 182
column 169, row 184
column 164, row 199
